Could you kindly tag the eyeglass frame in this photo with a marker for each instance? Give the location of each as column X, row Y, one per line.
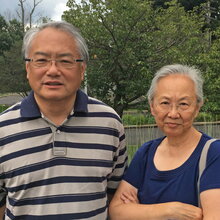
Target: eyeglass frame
column 49, row 61
column 170, row 106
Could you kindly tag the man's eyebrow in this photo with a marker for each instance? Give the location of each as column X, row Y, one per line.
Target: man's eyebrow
column 57, row 55
column 41, row 53
column 65, row 55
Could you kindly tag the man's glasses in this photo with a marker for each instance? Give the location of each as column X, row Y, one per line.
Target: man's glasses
column 66, row 63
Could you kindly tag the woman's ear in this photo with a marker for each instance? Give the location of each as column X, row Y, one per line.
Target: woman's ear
column 198, row 107
column 152, row 108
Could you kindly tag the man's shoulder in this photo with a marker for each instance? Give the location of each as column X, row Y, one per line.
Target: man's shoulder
column 97, row 105
column 10, row 116
column 11, row 111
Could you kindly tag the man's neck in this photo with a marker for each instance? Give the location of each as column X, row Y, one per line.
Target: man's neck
column 55, row 111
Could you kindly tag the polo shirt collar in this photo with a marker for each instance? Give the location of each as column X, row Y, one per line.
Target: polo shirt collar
column 30, row 109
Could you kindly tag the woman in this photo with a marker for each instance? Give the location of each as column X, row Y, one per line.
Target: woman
column 161, row 182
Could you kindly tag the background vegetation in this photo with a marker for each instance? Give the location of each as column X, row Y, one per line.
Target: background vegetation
column 128, row 41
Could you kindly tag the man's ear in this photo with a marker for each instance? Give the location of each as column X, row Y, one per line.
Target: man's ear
column 27, row 66
column 83, row 70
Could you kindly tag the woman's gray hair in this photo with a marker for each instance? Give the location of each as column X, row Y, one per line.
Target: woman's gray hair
column 60, row 25
column 193, row 73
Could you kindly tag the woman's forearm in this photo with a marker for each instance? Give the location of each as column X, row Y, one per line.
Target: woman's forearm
column 162, row 211
column 2, row 212
column 133, row 211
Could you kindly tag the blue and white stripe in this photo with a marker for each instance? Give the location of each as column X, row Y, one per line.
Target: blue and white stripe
column 41, row 184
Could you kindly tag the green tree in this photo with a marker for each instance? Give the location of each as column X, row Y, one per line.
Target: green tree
column 188, row 4
column 129, row 40
column 210, row 64
column 5, row 38
column 211, row 9
column 12, row 74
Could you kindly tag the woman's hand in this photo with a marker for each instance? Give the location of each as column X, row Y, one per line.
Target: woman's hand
column 129, row 197
column 125, row 206
column 182, row 211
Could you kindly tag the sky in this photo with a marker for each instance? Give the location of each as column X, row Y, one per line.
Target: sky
column 47, row 8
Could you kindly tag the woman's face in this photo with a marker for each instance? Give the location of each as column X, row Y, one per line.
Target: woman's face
column 175, row 106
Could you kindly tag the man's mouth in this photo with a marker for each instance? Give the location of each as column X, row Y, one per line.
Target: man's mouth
column 52, row 83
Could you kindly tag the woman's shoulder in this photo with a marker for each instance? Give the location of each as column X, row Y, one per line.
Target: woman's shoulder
column 216, row 141
column 214, row 149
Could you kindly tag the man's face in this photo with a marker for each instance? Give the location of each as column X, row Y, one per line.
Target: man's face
column 54, row 83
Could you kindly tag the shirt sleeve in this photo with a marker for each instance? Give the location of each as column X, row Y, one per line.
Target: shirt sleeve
column 3, row 191
column 210, row 178
column 135, row 173
column 119, row 163
column 3, row 194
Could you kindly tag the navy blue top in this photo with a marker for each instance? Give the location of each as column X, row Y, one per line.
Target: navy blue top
column 179, row 184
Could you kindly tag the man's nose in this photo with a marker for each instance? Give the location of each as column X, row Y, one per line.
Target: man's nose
column 53, row 68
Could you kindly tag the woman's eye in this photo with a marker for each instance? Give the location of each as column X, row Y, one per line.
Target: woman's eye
column 184, row 104
column 164, row 103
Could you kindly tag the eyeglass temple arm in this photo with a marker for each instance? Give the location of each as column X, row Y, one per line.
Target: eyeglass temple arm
column 27, row 59
column 79, row 60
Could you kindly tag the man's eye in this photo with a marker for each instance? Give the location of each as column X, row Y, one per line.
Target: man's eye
column 41, row 60
column 66, row 61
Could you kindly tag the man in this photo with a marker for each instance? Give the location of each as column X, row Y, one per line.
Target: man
column 61, row 151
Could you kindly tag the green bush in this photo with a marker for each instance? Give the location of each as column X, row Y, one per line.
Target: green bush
column 131, row 149
column 206, row 117
column 137, row 119
column 3, row 108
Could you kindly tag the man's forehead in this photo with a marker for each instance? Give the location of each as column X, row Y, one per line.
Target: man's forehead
column 48, row 54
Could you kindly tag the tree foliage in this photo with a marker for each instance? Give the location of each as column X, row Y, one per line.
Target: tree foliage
column 129, row 40
column 210, row 65
column 13, row 74
column 5, row 38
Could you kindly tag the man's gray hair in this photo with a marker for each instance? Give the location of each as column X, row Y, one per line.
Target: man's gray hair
column 60, row 25
column 193, row 73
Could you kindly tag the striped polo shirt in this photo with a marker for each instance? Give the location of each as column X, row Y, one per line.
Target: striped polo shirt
column 63, row 172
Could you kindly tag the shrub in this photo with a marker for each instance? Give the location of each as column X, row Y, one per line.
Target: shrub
column 131, row 151
column 3, row 108
column 137, row 118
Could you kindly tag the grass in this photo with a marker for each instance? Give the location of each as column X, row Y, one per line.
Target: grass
column 131, row 151
column 3, row 107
